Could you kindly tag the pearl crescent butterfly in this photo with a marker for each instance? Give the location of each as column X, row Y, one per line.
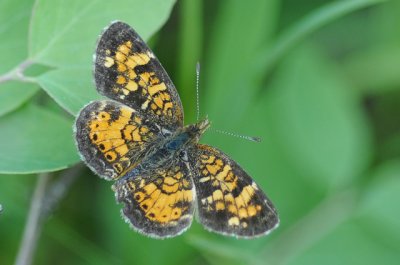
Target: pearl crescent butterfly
column 161, row 174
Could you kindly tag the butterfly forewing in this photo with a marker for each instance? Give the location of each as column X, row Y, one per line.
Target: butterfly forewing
column 126, row 70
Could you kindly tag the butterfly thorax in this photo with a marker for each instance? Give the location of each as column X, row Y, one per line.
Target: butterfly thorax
column 171, row 146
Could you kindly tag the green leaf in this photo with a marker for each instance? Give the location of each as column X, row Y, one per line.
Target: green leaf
column 382, row 27
column 14, row 21
column 13, row 94
column 348, row 244
column 223, row 251
column 270, row 55
column 364, row 233
column 70, row 93
column 64, row 32
column 240, row 28
column 373, row 66
column 319, row 120
column 369, row 236
column 190, row 49
column 35, row 140
column 390, row 148
column 377, row 207
column 375, row 71
column 69, row 41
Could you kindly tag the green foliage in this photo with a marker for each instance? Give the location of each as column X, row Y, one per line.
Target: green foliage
column 317, row 80
column 25, row 145
column 14, row 49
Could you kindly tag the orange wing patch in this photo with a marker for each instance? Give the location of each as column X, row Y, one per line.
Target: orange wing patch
column 158, row 203
column 229, row 201
column 115, row 135
column 224, row 182
column 156, row 96
column 127, row 71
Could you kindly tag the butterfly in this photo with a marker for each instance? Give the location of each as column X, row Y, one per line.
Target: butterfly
column 162, row 175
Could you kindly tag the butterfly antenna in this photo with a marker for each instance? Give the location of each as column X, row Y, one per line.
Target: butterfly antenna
column 250, row 138
column 197, row 91
column 246, row 137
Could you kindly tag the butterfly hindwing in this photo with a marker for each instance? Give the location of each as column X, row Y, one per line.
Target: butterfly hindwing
column 228, row 200
column 112, row 137
column 159, row 203
column 126, row 70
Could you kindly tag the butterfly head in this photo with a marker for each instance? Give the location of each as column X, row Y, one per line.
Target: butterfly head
column 195, row 131
column 200, row 127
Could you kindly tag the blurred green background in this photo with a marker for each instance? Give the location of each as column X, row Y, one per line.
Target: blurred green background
column 318, row 80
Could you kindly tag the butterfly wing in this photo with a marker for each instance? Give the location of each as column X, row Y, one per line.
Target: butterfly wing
column 158, row 203
column 127, row 71
column 228, row 200
column 112, row 137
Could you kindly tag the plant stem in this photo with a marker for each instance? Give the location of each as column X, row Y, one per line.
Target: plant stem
column 17, row 74
column 33, row 223
column 44, row 201
column 57, row 190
